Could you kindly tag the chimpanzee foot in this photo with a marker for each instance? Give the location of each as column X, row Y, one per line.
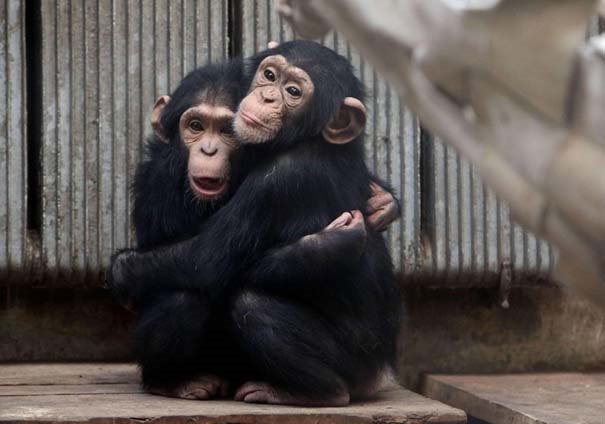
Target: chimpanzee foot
column 200, row 388
column 259, row 392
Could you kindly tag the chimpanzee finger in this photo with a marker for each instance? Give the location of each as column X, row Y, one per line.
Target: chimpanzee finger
column 341, row 221
column 378, row 202
column 383, row 217
column 376, row 188
column 356, row 216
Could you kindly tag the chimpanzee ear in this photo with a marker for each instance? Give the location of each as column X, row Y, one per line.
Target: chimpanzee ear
column 348, row 124
column 156, row 115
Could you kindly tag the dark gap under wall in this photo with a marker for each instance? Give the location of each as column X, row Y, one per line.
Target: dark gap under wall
column 427, row 224
column 235, row 28
column 33, row 46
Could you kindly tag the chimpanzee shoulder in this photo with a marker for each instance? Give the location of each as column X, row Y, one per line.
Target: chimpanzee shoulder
column 163, row 210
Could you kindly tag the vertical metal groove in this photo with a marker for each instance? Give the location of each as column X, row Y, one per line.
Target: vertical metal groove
column 5, row 203
column 22, row 124
column 98, row 239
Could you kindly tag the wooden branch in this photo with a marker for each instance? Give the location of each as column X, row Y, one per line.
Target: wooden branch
column 509, row 84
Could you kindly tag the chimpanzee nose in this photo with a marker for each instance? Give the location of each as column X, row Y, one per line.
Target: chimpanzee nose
column 269, row 95
column 209, row 150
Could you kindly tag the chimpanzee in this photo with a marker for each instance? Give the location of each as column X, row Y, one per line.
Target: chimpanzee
column 313, row 319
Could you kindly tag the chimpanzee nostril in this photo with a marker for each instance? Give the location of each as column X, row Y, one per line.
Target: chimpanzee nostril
column 209, row 150
column 269, row 95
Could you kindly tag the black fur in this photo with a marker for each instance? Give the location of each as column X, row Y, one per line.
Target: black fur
column 242, row 297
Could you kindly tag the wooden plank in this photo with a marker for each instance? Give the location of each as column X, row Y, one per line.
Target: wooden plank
column 391, row 406
column 69, row 389
column 561, row 398
column 83, row 373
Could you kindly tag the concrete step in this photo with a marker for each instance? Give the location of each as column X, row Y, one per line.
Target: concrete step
column 560, row 398
column 110, row 393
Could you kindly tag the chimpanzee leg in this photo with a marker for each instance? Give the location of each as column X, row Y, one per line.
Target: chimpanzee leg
column 292, row 351
column 173, row 345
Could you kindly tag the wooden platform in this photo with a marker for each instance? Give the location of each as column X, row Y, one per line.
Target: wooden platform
column 109, row 393
column 566, row 398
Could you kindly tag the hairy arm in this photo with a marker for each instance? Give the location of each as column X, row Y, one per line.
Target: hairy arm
column 209, row 261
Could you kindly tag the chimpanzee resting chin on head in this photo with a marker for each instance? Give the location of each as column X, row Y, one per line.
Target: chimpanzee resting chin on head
column 302, row 319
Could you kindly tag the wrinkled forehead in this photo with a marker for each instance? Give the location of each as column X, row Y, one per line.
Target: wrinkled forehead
column 216, row 96
column 280, row 62
column 213, row 112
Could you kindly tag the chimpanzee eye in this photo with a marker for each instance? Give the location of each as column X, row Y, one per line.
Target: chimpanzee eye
column 196, row 125
column 294, row 91
column 227, row 130
column 269, row 75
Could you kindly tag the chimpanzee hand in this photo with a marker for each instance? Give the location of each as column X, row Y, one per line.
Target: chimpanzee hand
column 117, row 277
column 345, row 235
column 382, row 208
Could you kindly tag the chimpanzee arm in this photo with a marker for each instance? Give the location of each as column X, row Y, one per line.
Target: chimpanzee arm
column 282, row 196
column 315, row 257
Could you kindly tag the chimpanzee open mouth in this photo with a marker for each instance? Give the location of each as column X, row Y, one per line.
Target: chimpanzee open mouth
column 209, row 187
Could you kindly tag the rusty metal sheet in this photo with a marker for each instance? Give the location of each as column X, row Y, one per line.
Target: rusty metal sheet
column 103, row 64
column 13, row 141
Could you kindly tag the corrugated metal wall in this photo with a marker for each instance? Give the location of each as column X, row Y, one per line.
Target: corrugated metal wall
column 470, row 237
column 13, row 147
column 102, row 63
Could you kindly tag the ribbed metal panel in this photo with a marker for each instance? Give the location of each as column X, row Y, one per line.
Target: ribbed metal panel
column 469, row 234
column 103, row 64
column 393, row 134
column 13, row 140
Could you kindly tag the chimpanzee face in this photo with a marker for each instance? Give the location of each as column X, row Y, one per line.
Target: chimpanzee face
column 300, row 90
column 205, row 129
column 278, row 94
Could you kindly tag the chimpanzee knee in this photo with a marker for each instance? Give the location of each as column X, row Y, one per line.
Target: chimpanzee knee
column 169, row 337
column 288, row 345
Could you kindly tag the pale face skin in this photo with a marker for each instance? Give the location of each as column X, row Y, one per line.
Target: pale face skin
column 278, row 93
column 206, row 131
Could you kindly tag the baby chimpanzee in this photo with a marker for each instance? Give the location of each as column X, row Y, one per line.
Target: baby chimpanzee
column 180, row 340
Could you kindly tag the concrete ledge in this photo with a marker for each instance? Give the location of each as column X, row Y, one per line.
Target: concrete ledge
column 558, row 398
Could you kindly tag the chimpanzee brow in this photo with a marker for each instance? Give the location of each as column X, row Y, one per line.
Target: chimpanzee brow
column 216, row 113
column 297, row 74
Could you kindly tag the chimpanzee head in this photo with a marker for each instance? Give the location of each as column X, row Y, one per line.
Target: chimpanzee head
column 297, row 90
column 197, row 118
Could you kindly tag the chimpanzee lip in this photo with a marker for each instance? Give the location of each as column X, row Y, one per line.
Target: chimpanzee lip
column 251, row 119
column 208, row 187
